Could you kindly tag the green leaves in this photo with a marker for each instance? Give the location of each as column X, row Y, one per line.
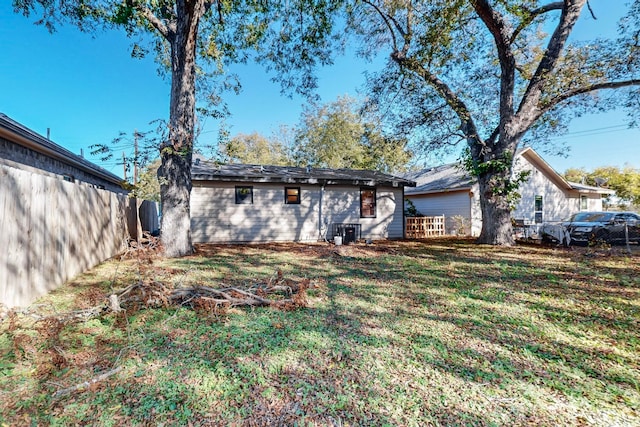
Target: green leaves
column 625, row 181
column 337, row 135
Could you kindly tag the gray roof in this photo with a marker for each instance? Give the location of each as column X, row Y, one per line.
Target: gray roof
column 210, row 171
column 39, row 143
column 449, row 177
column 452, row 177
column 590, row 188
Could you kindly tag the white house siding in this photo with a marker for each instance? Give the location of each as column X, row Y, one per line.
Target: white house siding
column 453, row 205
column 341, row 204
column 476, row 211
column 594, row 203
column 216, row 218
column 556, row 203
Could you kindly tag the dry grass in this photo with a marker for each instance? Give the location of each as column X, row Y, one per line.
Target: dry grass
column 438, row 332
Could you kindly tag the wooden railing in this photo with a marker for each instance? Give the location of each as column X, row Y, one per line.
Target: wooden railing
column 424, row 226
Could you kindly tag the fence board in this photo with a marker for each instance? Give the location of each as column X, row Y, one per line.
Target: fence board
column 425, row 226
column 51, row 230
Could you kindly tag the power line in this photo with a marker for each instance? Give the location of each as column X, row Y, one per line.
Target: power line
column 593, row 132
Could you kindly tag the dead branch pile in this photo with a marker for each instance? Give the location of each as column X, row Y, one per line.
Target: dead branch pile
column 278, row 292
column 147, row 245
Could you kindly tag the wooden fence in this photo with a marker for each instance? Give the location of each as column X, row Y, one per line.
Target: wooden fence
column 52, row 230
column 424, row 226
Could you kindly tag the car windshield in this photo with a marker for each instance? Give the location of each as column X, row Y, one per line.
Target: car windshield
column 592, row 217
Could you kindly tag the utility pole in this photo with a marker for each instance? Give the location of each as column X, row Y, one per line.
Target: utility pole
column 138, row 202
column 124, row 165
column 135, row 157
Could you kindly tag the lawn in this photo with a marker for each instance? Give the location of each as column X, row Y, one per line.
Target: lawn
column 437, row 332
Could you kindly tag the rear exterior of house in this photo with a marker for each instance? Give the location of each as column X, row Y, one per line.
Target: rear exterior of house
column 545, row 197
column 249, row 203
column 447, row 191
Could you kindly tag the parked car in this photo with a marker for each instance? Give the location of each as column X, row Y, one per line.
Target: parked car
column 594, row 227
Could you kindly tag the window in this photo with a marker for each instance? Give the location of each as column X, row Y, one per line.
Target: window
column 292, row 195
column 367, row 203
column 584, row 203
column 69, row 178
column 538, row 210
column 244, row 195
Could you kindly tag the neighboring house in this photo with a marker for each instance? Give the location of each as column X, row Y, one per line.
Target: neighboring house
column 546, row 196
column 252, row 203
column 22, row 148
column 59, row 214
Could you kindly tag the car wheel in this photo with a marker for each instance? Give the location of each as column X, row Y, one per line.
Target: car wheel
column 598, row 238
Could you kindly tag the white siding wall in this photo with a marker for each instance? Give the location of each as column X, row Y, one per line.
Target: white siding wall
column 556, row 204
column 216, row 218
column 476, row 211
column 594, row 203
column 342, row 205
column 451, row 204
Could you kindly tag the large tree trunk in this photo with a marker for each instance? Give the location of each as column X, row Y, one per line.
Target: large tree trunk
column 176, row 153
column 496, row 213
column 496, row 186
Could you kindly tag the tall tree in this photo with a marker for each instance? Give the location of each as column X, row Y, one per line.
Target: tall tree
column 494, row 75
column 193, row 40
column 253, row 149
column 337, row 135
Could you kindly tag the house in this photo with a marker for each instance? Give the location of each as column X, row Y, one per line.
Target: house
column 59, row 214
column 253, row 203
column 22, row 148
column 546, row 196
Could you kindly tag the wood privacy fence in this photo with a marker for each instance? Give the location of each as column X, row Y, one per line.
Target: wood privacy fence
column 51, row 230
column 424, row 226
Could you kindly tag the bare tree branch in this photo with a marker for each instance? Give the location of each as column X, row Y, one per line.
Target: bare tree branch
column 570, row 14
column 532, row 15
column 554, row 102
column 166, row 30
column 467, row 125
column 496, row 25
column 390, row 22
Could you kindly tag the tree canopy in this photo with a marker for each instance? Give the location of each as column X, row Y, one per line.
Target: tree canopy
column 494, row 75
column 253, row 149
column 624, row 181
column 338, row 135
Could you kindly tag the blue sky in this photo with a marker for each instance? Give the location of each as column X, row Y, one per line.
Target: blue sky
column 88, row 89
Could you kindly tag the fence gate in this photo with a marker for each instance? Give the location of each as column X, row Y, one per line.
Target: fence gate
column 424, row 226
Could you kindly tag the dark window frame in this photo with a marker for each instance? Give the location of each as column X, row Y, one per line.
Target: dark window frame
column 584, row 203
column 244, row 198
column 538, row 209
column 296, row 198
column 373, row 206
